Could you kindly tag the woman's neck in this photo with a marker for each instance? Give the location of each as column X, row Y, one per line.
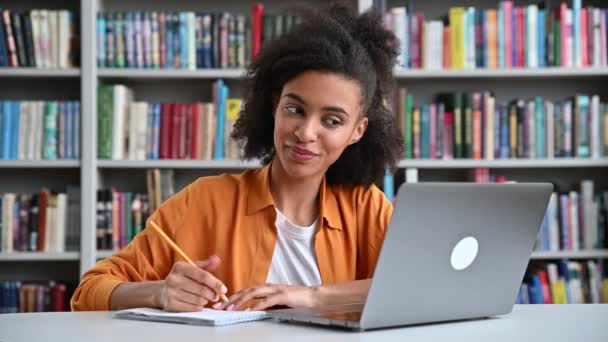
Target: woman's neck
column 297, row 198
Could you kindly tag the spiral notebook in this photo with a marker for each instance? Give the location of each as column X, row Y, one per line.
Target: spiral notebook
column 204, row 317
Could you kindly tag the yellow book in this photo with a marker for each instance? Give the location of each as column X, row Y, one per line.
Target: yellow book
column 558, row 290
column 457, row 36
column 233, row 108
column 492, row 40
column 605, row 291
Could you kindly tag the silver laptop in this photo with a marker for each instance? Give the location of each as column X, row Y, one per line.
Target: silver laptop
column 452, row 251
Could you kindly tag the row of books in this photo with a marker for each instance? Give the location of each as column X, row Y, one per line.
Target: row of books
column 574, row 220
column 35, row 130
column 121, row 215
column 185, row 40
column 39, row 38
column 474, row 125
column 565, row 282
column 17, row 296
column 45, row 221
column 138, row 130
column 509, row 36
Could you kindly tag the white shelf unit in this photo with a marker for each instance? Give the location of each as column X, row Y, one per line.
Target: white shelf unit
column 39, row 256
column 170, row 73
column 39, row 73
column 579, row 254
column 39, row 164
column 93, row 174
column 505, row 163
column 527, row 73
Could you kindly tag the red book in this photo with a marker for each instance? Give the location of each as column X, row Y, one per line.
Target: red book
column 175, row 130
column 508, row 32
column 194, row 126
column 477, row 125
column 166, row 125
column 564, row 28
column 189, row 129
column 448, row 135
column 584, row 38
column 521, row 36
column 11, row 47
column 183, row 131
column 447, row 50
column 256, row 31
column 58, row 298
column 544, row 282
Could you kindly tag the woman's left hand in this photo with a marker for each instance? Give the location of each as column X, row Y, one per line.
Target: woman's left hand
column 269, row 295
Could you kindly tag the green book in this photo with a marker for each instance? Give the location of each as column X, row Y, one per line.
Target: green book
column 120, row 41
column 458, row 131
column 409, row 101
column 50, row 130
column 105, row 100
column 468, row 125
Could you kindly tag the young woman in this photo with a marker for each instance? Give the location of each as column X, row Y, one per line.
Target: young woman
column 305, row 230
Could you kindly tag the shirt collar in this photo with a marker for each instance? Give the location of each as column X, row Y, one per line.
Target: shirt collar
column 259, row 198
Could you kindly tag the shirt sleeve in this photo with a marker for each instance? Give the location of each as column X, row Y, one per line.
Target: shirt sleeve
column 374, row 212
column 147, row 257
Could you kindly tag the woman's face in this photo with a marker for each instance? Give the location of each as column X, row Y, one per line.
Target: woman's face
column 317, row 116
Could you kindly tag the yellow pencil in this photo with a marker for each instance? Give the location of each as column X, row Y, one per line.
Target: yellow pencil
column 179, row 250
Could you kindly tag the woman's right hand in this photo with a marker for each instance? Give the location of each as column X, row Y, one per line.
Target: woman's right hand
column 191, row 288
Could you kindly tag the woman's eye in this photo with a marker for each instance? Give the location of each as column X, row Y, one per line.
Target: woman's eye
column 292, row 109
column 332, row 122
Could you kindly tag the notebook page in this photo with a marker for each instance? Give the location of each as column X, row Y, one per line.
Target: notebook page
column 205, row 316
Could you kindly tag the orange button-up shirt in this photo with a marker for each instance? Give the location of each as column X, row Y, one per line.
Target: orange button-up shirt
column 233, row 216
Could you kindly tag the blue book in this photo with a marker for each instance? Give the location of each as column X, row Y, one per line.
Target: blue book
column 496, row 139
column 1, row 136
column 69, row 130
column 76, row 140
column 485, row 60
column 183, row 39
column 207, row 38
column 576, row 33
column 388, row 186
column 563, row 271
column 199, row 40
column 129, row 40
column 7, row 127
column 169, row 40
column 582, row 125
column 541, row 38
column 504, row 132
column 532, row 293
column 540, row 127
column 14, row 295
column 501, row 37
column 539, row 290
column 425, row 132
column 222, row 95
column 156, row 144
column 150, row 131
column 513, row 38
column 3, row 47
column 16, row 112
column 177, row 54
column 138, row 37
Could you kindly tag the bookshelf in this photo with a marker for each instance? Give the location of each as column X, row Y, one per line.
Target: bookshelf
column 92, row 174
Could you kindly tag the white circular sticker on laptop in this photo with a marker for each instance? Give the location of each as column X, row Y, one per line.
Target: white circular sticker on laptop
column 464, row 253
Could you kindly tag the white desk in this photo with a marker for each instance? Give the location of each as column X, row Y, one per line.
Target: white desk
column 535, row 323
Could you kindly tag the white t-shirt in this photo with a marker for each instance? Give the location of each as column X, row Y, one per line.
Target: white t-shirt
column 294, row 261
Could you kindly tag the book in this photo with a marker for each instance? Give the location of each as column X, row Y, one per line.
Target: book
column 203, row 317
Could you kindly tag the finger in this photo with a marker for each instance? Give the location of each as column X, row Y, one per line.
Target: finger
column 203, row 277
column 190, row 298
column 210, row 264
column 232, row 299
column 268, row 302
column 256, row 293
column 178, row 280
column 197, row 289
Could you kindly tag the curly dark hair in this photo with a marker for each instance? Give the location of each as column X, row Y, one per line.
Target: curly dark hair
column 333, row 40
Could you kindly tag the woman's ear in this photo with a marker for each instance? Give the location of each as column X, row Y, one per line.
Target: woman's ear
column 359, row 130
